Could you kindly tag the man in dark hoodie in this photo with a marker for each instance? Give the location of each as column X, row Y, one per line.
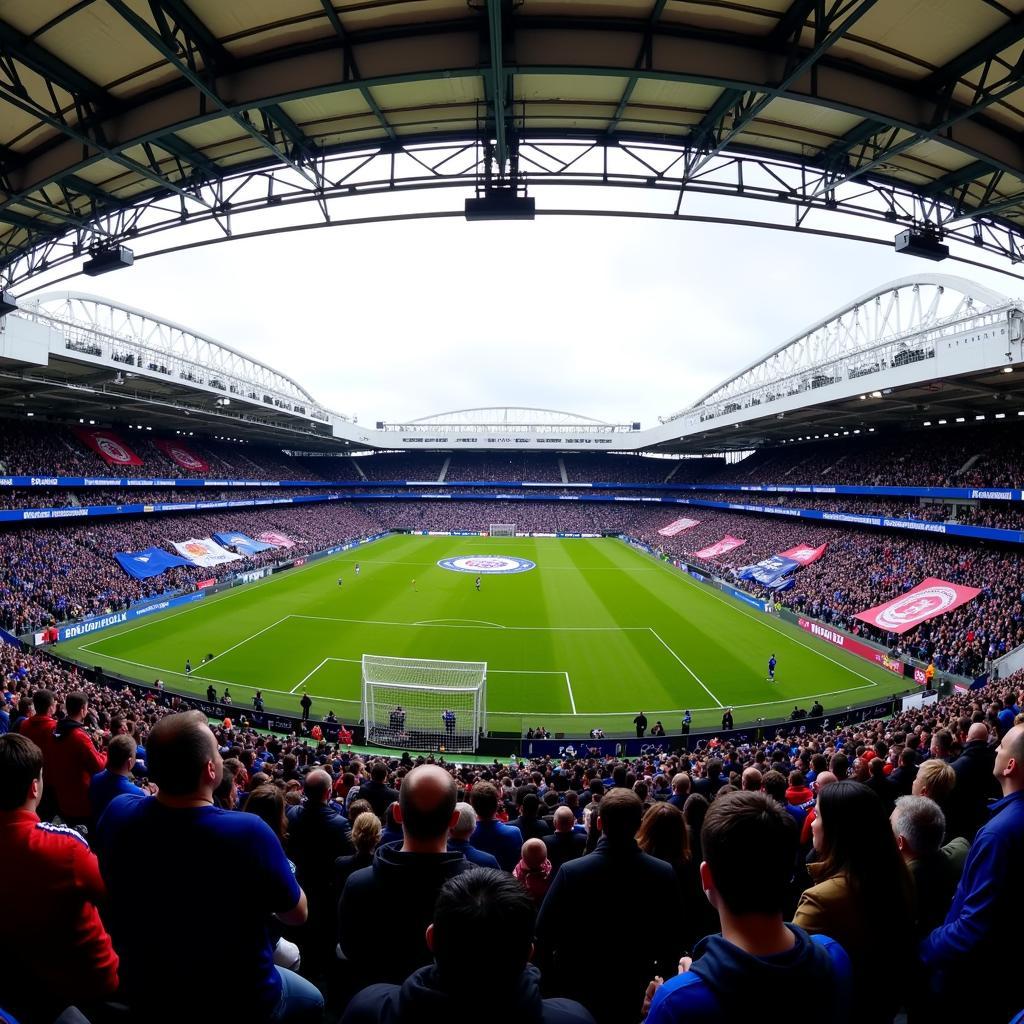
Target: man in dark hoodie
column 388, row 905
column 749, row 845
column 482, row 941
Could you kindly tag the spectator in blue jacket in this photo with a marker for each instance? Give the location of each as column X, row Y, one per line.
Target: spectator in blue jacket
column 459, row 838
column 980, row 936
column 504, row 842
column 757, row 952
column 115, row 780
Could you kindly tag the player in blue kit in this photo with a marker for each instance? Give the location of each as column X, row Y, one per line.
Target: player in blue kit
column 771, row 669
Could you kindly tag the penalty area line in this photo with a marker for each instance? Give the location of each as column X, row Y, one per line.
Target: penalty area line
column 700, row 682
column 309, row 675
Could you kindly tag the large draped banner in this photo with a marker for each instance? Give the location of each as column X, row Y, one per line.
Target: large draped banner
column 928, row 599
column 716, row 550
column 242, row 543
column 768, row 571
column 678, row 527
column 182, row 456
column 149, row 562
column 804, row 553
column 108, row 446
column 204, row 552
column 277, row 540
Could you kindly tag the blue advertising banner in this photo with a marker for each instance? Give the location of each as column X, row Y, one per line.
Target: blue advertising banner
column 148, row 562
column 242, row 543
column 98, row 622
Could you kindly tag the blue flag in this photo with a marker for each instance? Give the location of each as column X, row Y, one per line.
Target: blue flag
column 241, row 542
column 769, row 570
column 150, row 562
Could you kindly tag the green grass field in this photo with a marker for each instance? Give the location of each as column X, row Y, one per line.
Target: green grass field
column 592, row 635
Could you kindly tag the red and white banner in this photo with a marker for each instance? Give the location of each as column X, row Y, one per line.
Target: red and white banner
column 678, row 527
column 848, row 643
column 279, row 540
column 928, row 599
column 108, row 447
column 804, row 553
column 725, row 545
column 204, row 551
column 181, row 455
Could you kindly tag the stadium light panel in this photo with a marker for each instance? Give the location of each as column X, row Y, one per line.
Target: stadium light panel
column 1000, row 415
column 876, row 394
column 927, row 423
column 942, row 423
column 960, row 419
column 105, row 260
column 1007, row 369
column 980, row 416
column 501, row 204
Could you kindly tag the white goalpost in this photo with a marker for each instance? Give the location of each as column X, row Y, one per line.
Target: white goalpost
column 503, row 529
column 423, row 704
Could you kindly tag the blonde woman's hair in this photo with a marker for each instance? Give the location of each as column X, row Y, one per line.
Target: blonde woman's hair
column 366, row 832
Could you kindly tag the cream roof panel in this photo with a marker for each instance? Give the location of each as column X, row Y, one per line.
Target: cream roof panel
column 325, row 107
column 756, row 18
column 441, row 91
column 687, row 95
column 825, row 121
column 568, row 88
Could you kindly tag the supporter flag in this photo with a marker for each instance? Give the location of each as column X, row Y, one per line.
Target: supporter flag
column 182, row 456
column 678, row 527
column 149, row 562
column 804, row 553
column 928, row 599
column 242, row 543
column 109, row 447
column 277, row 540
column 769, row 571
column 725, row 545
column 205, row 552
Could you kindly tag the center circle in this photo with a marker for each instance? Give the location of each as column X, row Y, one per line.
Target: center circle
column 481, row 565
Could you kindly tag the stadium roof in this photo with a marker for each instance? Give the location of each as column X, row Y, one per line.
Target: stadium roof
column 121, row 118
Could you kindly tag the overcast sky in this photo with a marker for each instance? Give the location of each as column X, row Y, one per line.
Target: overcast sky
column 614, row 318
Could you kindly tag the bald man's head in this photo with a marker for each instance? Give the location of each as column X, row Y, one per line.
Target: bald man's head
column 427, row 802
column 182, row 755
column 564, row 819
column 824, row 779
column 1009, row 766
column 318, row 786
column 978, row 731
column 751, row 779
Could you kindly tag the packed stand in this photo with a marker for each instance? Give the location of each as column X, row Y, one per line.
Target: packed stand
column 870, row 869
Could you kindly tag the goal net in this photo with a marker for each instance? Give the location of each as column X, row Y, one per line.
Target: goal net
column 421, row 704
column 503, row 529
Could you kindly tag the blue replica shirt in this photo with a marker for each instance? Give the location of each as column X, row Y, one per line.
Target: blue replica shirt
column 164, row 871
column 105, row 786
column 727, row 984
column 980, row 932
column 503, row 842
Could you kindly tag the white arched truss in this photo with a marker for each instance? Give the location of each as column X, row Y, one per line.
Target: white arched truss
column 148, row 345
column 877, row 331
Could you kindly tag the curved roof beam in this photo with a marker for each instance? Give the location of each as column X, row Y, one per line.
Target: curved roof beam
column 43, row 304
column 973, row 297
column 512, row 414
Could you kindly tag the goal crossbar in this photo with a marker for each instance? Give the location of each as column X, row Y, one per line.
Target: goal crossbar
column 423, row 703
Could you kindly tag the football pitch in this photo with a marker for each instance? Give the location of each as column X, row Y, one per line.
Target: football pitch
column 590, row 636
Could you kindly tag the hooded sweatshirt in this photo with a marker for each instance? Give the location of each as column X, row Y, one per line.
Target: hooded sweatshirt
column 423, row 999
column 72, row 761
column 387, row 907
column 726, row 983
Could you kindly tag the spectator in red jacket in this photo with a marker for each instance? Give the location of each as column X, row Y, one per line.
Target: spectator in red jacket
column 74, row 760
column 56, row 950
column 39, row 729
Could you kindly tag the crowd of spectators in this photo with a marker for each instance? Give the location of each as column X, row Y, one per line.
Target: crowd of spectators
column 382, row 889
column 56, row 571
